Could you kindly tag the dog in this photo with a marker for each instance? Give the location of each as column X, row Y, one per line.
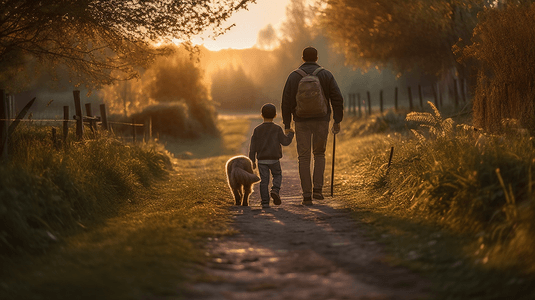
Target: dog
column 240, row 177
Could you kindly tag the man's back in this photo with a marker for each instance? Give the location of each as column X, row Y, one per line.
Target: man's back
column 330, row 89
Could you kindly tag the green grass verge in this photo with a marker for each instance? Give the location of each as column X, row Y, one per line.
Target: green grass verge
column 441, row 207
column 149, row 246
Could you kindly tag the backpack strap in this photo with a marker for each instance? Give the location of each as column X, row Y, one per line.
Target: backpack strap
column 301, row 72
column 317, row 71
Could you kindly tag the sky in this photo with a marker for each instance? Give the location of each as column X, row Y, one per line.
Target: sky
column 248, row 23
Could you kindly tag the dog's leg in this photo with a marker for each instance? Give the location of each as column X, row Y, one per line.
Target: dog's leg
column 237, row 195
column 246, row 192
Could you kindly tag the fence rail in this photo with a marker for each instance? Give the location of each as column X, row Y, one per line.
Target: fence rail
column 357, row 107
column 8, row 121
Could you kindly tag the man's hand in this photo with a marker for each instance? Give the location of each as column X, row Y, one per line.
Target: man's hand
column 288, row 130
column 336, row 128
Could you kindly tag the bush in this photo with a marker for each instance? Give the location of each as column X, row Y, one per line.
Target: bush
column 176, row 120
column 46, row 191
column 469, row 181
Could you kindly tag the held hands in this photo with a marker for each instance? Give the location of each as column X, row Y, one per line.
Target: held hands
column 288, row 130
column 336, row 128
column 254, row 165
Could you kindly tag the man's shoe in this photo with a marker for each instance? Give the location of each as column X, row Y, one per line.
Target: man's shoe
column 307, row 201
column 317, row 196
column 264, row 206
column 276, row 198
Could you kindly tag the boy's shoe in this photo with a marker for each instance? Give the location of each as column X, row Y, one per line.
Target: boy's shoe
column 265, row 205
column 307, row 201
column 317, row 196
column 276, row 198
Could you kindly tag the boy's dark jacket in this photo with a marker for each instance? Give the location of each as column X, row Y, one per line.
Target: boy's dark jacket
column 266, row 142
column 330, row 89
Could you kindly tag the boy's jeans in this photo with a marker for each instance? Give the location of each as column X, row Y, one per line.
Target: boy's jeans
column 264, row 170
column 311, row 135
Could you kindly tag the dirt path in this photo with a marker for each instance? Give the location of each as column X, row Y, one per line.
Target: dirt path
column 296, row 252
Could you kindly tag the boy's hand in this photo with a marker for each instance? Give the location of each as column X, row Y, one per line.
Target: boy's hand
column 288, row 130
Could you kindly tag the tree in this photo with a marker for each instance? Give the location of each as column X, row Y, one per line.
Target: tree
column 504, row 50
column 403, row 34
column 103, row 40
column 234, row 90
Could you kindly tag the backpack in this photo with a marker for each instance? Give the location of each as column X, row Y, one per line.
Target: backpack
column 311, row 102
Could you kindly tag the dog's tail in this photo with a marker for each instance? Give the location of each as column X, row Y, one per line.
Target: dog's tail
column 240, row 175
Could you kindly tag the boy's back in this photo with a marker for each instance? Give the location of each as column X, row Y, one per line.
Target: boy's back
column 266, row 142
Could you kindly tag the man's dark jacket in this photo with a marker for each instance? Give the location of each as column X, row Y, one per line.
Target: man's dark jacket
column 330, row 89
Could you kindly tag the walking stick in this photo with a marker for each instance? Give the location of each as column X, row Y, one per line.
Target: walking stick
column 332, row 171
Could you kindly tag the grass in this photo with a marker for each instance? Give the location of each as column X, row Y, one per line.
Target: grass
column 441, row 207
column 148, row 247
column 46, row 190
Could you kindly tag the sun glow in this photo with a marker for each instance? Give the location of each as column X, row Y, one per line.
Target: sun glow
column 247, row 25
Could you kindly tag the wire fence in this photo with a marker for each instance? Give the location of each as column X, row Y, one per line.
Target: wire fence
column 9, row 122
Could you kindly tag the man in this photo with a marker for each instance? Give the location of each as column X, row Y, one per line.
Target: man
column 312, row 132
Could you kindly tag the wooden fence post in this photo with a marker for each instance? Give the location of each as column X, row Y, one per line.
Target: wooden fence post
column 78, row 115
column 410, row 98
column 369, row 103
column 358, row 100
column 65, row 123
column 89, row 113
column 354, row 104
column 420, row 96
column 103, row 116
column 3, row 125
column 381, row 100
column 396, row 98
column 54, row 137
column 13, row 107
column 149, row 128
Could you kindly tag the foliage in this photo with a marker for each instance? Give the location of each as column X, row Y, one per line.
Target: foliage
column 161, row 231
column 470, row 182
column 178, row 120
column 172, row 92
column 457, row 205
column 438, row 128
column 401, row 34
column 95, row 37
column 233, row 90
column 504, row 48
column 45, row 191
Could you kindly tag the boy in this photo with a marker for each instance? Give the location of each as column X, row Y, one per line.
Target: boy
column 265, row 146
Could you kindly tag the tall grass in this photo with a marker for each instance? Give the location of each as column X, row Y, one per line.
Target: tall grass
column 457, row 176
column 47, row 190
